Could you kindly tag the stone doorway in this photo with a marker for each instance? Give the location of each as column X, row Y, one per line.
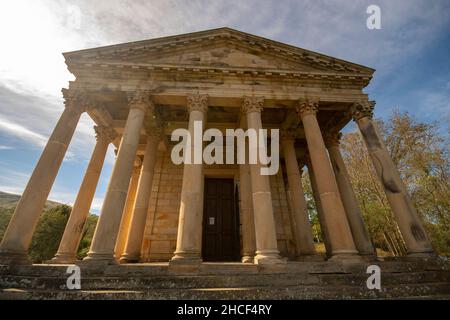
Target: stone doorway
column 220, row 221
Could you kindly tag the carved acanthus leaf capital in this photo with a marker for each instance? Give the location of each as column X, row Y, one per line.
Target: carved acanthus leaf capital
column 252, row 104
column 76, row 99
column 197, row 102
column 307, row 106
column 141, row 100
column 332, row 138
column 362, row 109
column 104, row 132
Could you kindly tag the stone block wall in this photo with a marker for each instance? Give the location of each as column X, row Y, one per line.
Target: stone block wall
column 162, row 220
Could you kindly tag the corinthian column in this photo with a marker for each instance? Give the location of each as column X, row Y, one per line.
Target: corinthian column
column 106, row 232
column 67, row 251
column 17, row 238
column 128, row 210
column 303, row 232
column 189, row 238
column 408, row 221
column 266, row 236
column 245, row 193
column 132, row 252
column 339, row 232
column 354, row 216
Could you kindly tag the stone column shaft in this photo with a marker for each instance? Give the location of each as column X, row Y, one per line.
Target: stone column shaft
column 133, row 245
column 303, row 232
column 265, row 230
column 247, row 216
column 189, row 238
column 18, row 235
column 354, row 216
column 128, row 211
column 410, row 225
column 334, row 213
column 106, row 232
column 67, row 251
column 320, row 214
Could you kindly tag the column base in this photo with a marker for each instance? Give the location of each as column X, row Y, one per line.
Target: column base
column 14, row 258
column 129, row 258
column 346, row 256
column 248, row 259
column 185, row 262
column 100, row 259
column 64, row 258
column 268, row 257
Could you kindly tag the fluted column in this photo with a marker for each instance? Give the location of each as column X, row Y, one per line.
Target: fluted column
column 18, row 235
column 67, row 251
column 266, row 236
column 132, row 252
column 189, row 238
column 334, row 213
column 410, row 225
column 247, row 216
column 128, row 210
column 303, row 232
column 360, row 235
column 106, row 232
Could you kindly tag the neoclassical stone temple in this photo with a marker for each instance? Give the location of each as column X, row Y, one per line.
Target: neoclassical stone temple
column 154, row 210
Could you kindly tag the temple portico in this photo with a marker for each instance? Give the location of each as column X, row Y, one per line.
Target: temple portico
column 156, row 210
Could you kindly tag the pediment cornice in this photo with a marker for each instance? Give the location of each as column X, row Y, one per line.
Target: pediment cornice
column 168, row 45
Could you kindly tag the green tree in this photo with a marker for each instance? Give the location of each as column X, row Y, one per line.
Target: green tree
column 48, row 233
column 421, row 155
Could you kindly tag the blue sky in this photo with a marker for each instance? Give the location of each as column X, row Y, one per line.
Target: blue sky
column 411, row 54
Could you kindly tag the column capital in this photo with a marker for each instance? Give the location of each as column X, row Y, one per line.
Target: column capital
column 252, row 104
column 362, row 109
column 307, row 106
column 141, row 100
column 104, row 132
column 332, row 138
column 197, row 102
column 75, row 99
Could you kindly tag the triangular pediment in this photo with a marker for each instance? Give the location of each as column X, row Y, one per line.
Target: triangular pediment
column 223, row 48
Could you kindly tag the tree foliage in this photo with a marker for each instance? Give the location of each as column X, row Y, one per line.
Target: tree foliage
column 49, row 231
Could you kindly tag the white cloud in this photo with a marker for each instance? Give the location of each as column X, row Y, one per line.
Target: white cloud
column 21, row 132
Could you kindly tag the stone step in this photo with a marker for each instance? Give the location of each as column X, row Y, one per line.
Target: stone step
column 293, row 292
column 151, row 269
column 138, row 282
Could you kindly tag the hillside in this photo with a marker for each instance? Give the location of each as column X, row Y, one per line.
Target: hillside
column 9, row 201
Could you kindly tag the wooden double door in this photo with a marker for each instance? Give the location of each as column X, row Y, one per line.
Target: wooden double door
column 220, row 221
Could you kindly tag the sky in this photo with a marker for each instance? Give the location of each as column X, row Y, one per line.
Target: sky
column 411, row 53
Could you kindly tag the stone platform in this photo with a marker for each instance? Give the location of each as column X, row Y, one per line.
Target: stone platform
column 296, row 280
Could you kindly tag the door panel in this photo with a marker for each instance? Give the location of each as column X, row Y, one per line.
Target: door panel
column 220, row 221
